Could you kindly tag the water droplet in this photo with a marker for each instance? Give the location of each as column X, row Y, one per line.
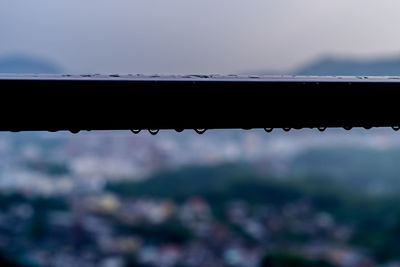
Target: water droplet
column 197, row 76
column 153, row 131
column 74, row 131
column 347, row 128
column 396, row 128
column 179, row 130
column 135, row 131
column 321, row 129
column 287, row 129
column 268, row 130
column 200, row 131
column 367, row 127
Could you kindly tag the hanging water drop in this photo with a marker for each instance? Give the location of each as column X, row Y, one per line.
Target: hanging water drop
column 287, row 129
column 200, row 131
column 321, row 129
column 396, row 128
column 135, row 131
column 153, row 131
column 268, row 130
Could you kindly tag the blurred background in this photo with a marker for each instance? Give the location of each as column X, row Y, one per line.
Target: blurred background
column 225, row 198
column 200, row 37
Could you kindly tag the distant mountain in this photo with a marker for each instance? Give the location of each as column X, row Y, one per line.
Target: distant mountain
column 330, row 66
column 26, row 64
column 345, row 67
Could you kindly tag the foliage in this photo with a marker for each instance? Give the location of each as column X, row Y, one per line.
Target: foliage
column 376, row 218
column 168, row 231
column 287, row 260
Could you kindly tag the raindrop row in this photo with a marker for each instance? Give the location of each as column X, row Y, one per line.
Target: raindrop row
column 268, row 130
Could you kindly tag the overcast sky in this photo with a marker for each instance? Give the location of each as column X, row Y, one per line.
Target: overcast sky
column 196, row 36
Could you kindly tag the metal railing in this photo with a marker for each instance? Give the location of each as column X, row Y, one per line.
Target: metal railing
column 127, row 102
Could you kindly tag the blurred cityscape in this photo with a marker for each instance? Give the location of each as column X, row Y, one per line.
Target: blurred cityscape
column 225, row 198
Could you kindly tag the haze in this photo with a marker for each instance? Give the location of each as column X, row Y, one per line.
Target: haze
column 187, row 36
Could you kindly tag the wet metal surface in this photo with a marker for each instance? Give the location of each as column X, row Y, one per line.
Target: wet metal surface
column 199, row 102
column 201, row 78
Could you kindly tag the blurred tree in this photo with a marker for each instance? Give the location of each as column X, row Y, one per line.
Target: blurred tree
column 287, row 259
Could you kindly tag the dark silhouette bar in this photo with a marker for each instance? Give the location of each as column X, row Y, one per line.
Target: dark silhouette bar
column 116, row 102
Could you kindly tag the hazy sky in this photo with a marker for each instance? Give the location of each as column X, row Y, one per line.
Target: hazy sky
column 196, row 36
